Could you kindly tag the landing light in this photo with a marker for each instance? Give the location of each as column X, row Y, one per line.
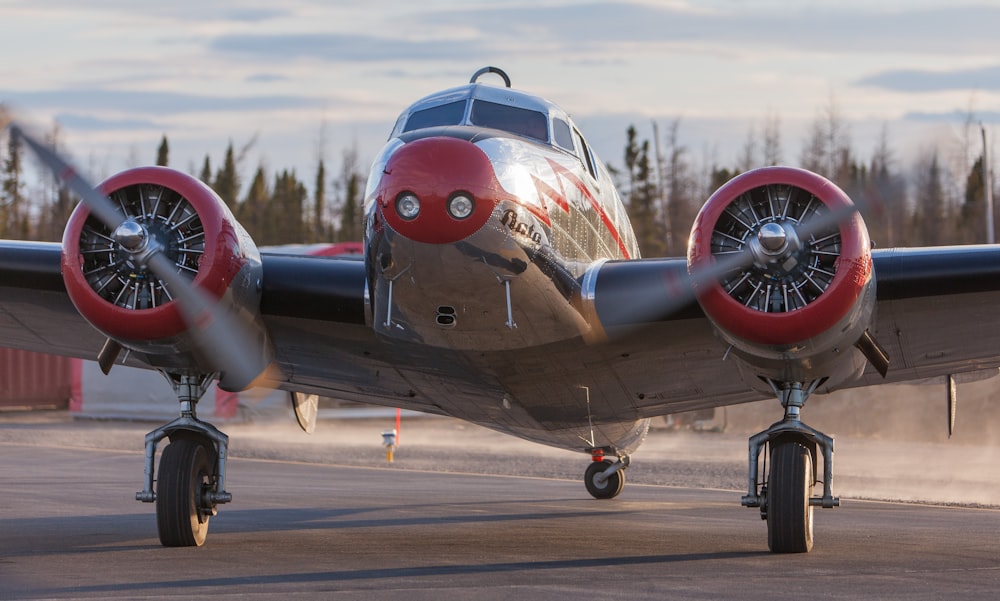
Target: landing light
column 460, row 205
column 408, row 206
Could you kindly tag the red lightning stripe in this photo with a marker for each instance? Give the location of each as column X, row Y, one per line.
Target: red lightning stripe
column 561, row 173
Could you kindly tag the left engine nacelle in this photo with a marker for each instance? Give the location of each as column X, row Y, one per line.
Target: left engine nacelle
column 197, row 232
column 795, row 309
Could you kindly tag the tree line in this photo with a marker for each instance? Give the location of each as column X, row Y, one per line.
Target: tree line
column 274, row 208
column 938, row 200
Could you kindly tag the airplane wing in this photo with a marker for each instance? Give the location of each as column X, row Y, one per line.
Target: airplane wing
column 935, row 316
column 36, row 314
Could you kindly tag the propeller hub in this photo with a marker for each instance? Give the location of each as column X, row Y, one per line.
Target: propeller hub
column 131, row 236
column 772, row 237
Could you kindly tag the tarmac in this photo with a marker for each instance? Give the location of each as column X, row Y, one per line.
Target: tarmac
column 466, row 513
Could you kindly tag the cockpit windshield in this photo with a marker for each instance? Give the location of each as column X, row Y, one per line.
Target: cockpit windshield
column 444, row 114
column 516, row 120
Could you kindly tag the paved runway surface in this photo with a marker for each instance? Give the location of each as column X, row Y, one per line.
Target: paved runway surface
column 69, row 528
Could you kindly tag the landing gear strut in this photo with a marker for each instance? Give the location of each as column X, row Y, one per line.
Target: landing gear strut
column 192, row 476
column 786, row 499
column 604, row 478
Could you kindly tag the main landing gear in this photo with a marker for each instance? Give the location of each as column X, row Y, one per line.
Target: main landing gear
column 604, row 478
column 786, row 498
column 192, row 472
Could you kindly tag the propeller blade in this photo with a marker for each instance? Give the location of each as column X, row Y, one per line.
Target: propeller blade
column 230, row 344
column 661, row 299
column 98, row 204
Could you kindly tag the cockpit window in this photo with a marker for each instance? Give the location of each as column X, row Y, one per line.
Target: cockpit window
column 445, row 114
column 562, row 135
column 523, row 122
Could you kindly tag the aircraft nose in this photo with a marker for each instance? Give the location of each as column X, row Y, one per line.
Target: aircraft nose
column 438, row 190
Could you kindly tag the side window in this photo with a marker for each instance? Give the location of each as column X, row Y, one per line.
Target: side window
column 398, row 127
column 562, row 135
column 446, row 114
column 585, row 156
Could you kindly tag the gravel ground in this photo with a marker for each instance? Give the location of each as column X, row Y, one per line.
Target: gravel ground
column 930, row 472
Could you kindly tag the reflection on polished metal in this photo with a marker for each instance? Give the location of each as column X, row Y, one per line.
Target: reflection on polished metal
column 772, row 237
column 131, row 236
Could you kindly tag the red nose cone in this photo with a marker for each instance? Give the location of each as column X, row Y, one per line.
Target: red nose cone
column 444, row 175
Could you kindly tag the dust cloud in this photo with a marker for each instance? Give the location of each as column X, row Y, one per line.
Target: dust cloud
column 891, row 444
column 892, row 441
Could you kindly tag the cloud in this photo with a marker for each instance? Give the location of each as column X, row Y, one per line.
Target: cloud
column 266, row 77
column 181, row 10
column 984, row 78
column 152, row 102
column 92, row 123
column 345, row 47
column 254, row 15
column 586, row 26
column 955, row 116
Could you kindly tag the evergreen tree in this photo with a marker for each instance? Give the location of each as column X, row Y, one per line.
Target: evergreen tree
column 206, row 171
column 14, row 222
column 971, row 228
column 253, row 211
column 227, row 181
column 55, row 200
column 642, row 198
column 930, row 227
column 718, row 177
column 682, row 203
column 286, row 210
column 631, row 156
column 350, row 185
column 163, row 152
column 320, row 231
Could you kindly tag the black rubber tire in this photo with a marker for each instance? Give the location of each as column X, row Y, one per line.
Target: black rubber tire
column 610, row 488
column 789, row 487
column 187, row 468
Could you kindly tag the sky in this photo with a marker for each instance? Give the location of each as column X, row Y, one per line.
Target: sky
column 304, row 79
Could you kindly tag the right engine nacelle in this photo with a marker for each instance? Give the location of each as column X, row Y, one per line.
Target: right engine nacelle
column 796, row 310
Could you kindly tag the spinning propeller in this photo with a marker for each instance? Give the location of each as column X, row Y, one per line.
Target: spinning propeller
column 229, row 342
column 780, row 243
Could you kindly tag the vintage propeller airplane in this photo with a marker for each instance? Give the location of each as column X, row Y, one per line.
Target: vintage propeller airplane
column 502, row 285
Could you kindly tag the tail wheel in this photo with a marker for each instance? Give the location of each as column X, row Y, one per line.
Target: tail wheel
column 186, row 475
column 789, row 488
column 610, row 487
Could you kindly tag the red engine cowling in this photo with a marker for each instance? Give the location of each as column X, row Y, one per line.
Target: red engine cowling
column 198, row 233
column 793, row 312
